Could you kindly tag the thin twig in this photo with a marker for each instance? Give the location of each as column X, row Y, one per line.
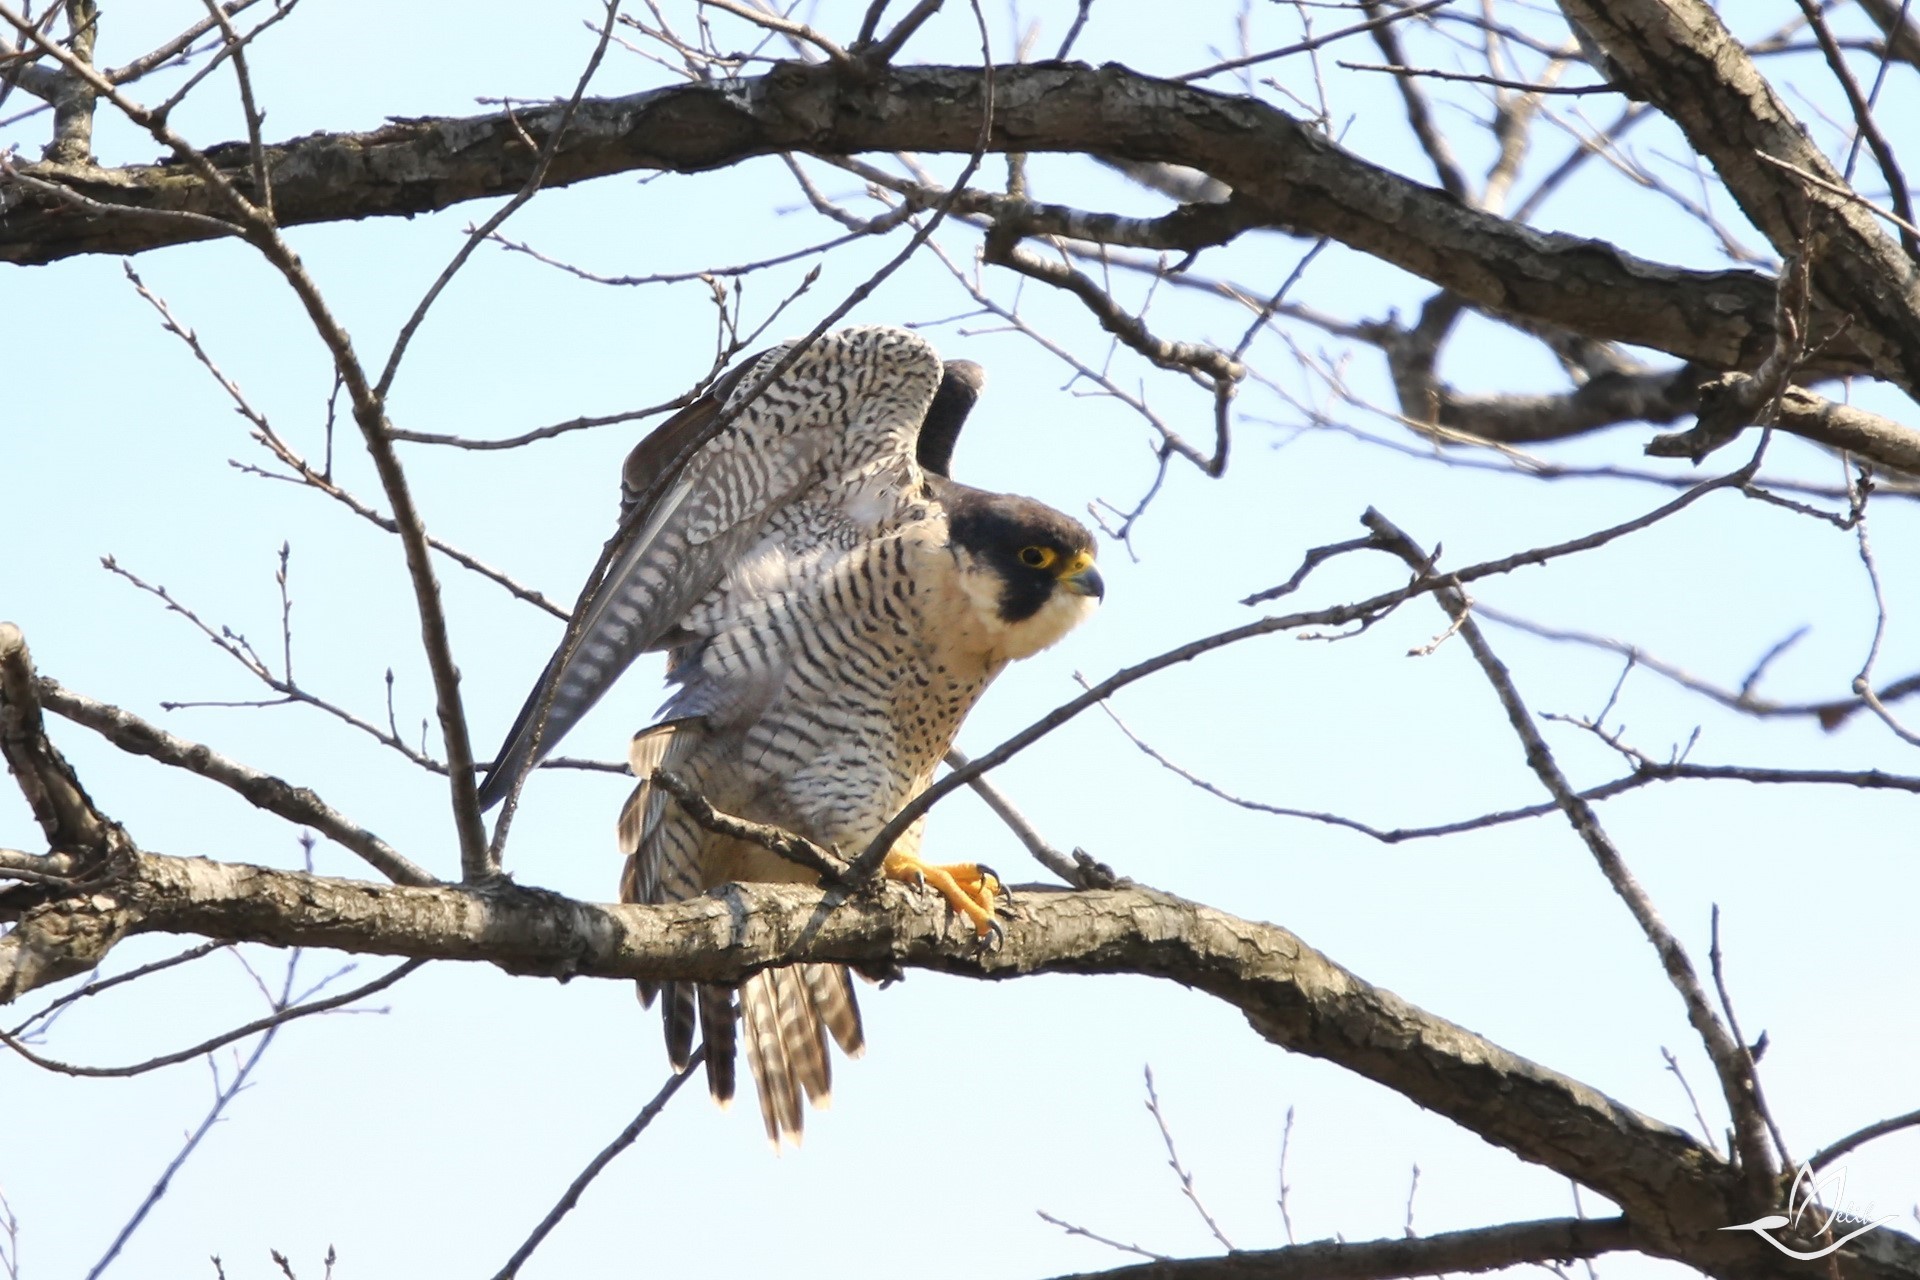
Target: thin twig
column 1751, row 1052
column 1863, row 683
column 1303, row 46
column 571, row 1196
column 1180, row 1170
column 1365, row 612
column 179, row 46
column 1860, row 1137
column 256, row 147
column 1730, row 1060
column 1462, row 77
column 1706, row 1130
column 296, row 804
column 479, row 235
column 46, row 1016
column 822, row 861
column 1906, row 225
column 1097, row 1238
column 1286, row 1188
column 1024, row 831
column 270, row 1024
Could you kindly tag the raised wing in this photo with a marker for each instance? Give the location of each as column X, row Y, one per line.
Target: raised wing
column 696, row 495
column 686, row 478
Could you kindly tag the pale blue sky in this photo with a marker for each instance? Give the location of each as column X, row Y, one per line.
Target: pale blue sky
column 431, row 1139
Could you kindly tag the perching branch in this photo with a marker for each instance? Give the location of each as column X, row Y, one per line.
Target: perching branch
column 1675, row 1191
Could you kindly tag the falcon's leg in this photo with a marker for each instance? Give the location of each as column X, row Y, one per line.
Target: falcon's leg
column 969, row 888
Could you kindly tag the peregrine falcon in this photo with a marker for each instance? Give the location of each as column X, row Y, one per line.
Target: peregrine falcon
column 832, row 605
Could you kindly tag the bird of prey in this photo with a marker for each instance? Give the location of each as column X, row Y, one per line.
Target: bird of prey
column 832, row 604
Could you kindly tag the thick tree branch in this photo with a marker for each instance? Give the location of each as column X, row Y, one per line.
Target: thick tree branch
column 73, row 97
column 1285, row 176
column 1676, row 1193
column 59, row 803
column 1739, row 398
column 1690, row 66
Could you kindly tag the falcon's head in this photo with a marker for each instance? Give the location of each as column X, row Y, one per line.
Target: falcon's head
column 1027, row 568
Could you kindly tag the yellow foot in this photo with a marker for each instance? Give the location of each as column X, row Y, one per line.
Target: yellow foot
column 968, row 888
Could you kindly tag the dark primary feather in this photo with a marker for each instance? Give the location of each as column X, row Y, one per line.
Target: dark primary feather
column 645, row 478
column 652, row 470
column 960, row 384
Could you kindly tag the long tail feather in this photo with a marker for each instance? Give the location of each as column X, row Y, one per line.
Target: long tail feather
column 717, row 1032
column 677, row 1012
column 767, row 1056
column 831, row 988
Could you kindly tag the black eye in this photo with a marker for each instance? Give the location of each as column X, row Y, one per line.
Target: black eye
column 1036, row 557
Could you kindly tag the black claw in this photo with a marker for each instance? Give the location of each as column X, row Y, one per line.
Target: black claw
column 995, row 937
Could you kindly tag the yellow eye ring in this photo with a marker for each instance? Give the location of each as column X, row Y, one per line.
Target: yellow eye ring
column 1036, row 557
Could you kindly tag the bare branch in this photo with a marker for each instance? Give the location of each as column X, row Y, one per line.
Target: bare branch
column 1179, row 1169
column 1374, row 23
column 1478, row 1249
column 1097, row 1238
column 823, row 862
column 1364, row 612
column 1286, row 175
column 296, row 804
column 52, row 789
column 1859, row 1138
column 1406, row 73
column 1729, row 1058
column 626, row 1138
column 1082, row 874
column 277, row 1019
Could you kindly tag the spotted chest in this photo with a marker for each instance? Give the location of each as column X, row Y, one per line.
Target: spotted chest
column 834, row 699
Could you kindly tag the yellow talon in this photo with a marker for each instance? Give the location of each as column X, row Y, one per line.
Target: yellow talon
column 968, row 888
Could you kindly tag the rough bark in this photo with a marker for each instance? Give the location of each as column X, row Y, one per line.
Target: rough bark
column 52, row 789
column 1284, row 175
column 1676, row 1193
column 1692, row 68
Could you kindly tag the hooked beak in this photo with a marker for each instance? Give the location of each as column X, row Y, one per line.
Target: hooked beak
column 1085, row 581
